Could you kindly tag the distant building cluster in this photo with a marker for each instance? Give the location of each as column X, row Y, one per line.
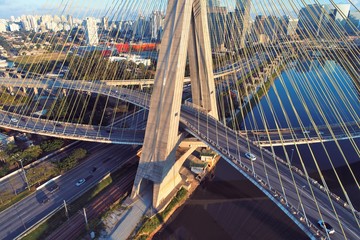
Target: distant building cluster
column 230, row 29
column 149, row 28
column 233, row 29
column 39, row 23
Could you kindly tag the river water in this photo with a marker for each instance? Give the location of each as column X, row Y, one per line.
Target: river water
column 230, row 207
column 320, row 91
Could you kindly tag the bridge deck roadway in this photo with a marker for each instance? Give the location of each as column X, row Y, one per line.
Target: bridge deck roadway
column 74, row 131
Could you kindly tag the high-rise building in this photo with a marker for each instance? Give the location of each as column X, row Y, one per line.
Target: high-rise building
column 217, row 22
column 353, row 24
column 14, row 27
column 272, row 27
column 32, row 22
column 140, row 27
column 157, row 25
column 341, row 12
column 91, row 34
column 105, row 23
column 213, row 3
column 70, row 20
column 257, row 33
column 242, row 10
column 25, row 25
column 290, row 25
column 3, row 25
column 46, row 19
column 314, row 20
column 63, row 19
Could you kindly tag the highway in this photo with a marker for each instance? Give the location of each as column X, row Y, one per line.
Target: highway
column 315, row 203
column 24, row 214
column 75, row 226
column 283, row 137
column 135, row 120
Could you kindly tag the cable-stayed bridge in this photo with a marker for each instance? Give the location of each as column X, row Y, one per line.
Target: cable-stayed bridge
column 81, row 106
column 135, row 135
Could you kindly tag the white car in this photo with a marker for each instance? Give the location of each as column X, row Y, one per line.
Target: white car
column 250, row 156
column 14, row 120
column 81, row 181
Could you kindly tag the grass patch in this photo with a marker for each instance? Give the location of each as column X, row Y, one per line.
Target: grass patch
column 15, row 199
column 150, row 224
column 7, row 99
column 39, row 58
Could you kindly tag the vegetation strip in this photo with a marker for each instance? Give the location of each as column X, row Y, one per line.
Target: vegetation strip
column 47, row 227
column 151, row 224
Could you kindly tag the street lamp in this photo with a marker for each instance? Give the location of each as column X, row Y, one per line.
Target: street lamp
column 302, row 188
column 302, row 206
column 292, row 154
column 23, row 170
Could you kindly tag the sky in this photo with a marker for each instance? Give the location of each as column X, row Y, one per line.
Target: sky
column 81, row 8
column 77, row 8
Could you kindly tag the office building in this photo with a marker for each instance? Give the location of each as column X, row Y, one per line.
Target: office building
column 217, row 21
column 91, row 33
column 105, row 23
column 3, row 25
column 157, row 25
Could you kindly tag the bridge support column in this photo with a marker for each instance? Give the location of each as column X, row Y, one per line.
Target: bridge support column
column 11, row 89
column 200, row 61
column 24, row 89
column 36, row 91
column 64, row 92
column 158, row 164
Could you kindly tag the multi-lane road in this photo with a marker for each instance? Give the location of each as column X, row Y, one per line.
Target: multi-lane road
column 24, row 214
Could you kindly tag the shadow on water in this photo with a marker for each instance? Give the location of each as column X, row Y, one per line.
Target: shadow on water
column 229, row 207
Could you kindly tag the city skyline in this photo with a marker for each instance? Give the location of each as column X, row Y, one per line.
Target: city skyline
column 80, row 9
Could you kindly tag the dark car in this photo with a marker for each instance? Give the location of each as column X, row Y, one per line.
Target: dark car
column 53, row 188
column 326, row 226
column 45, row 200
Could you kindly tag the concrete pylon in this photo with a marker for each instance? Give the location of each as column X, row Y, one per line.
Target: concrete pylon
column 200, row 61
column 185, row 23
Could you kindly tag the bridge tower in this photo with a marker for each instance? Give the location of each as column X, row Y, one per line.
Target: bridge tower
column 186, row 33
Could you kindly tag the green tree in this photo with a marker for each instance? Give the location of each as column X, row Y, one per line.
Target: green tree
column 73, row 159
column 3, row 156
column 52, row 145
column 31, row 153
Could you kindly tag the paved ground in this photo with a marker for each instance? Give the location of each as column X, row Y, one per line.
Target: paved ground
column 131, row 217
